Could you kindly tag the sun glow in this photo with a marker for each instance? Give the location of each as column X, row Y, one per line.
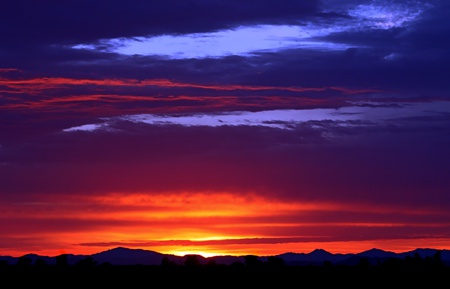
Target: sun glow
column 201, row 253
column 203, row 223
column 200, row 205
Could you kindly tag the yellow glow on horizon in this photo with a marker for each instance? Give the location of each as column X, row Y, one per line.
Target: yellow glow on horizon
column 195, row 252
column 206, row 224
column 335, row 247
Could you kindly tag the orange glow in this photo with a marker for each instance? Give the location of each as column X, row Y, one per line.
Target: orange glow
column 40, row 94
column 82, row 102
column 36, row 85
column 204, row 205
column 194, row 223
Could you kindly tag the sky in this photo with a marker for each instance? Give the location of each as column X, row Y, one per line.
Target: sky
column 224, row 127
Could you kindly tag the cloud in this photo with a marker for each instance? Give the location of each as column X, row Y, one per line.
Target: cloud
column 244, row 40
column 286, row 119
column 328, row 159
column 39, row 85
column 373, row 53
column 311, row 33
column 85, row 21
column 282, row 119
column 86, row 100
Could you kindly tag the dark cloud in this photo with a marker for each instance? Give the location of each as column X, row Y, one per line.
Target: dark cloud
column 430, row 33
column 71, row 22
column 412, row 57
column 37, row 36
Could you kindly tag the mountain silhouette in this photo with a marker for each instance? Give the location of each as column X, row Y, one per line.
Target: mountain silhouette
column 127, row 256
column 124, row 256
column 317, row 256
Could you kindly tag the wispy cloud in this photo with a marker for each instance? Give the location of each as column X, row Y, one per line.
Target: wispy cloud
column 288, row 118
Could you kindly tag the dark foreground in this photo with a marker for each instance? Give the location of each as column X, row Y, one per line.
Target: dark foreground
column 224, row 276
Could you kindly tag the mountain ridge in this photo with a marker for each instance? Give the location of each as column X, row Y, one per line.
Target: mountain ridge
column 128, row 256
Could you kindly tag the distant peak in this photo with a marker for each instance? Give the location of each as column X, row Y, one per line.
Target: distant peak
column 122, row 249
column 119, row 249
column 375, row 250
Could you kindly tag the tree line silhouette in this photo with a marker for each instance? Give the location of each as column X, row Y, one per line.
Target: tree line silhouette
column 413, row 270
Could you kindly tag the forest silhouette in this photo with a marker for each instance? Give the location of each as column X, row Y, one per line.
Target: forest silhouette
column 410, row 271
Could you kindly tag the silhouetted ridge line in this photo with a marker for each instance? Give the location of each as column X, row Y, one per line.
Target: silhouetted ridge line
column 319, row 257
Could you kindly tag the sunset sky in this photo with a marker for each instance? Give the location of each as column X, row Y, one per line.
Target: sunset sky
column 224, row 127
